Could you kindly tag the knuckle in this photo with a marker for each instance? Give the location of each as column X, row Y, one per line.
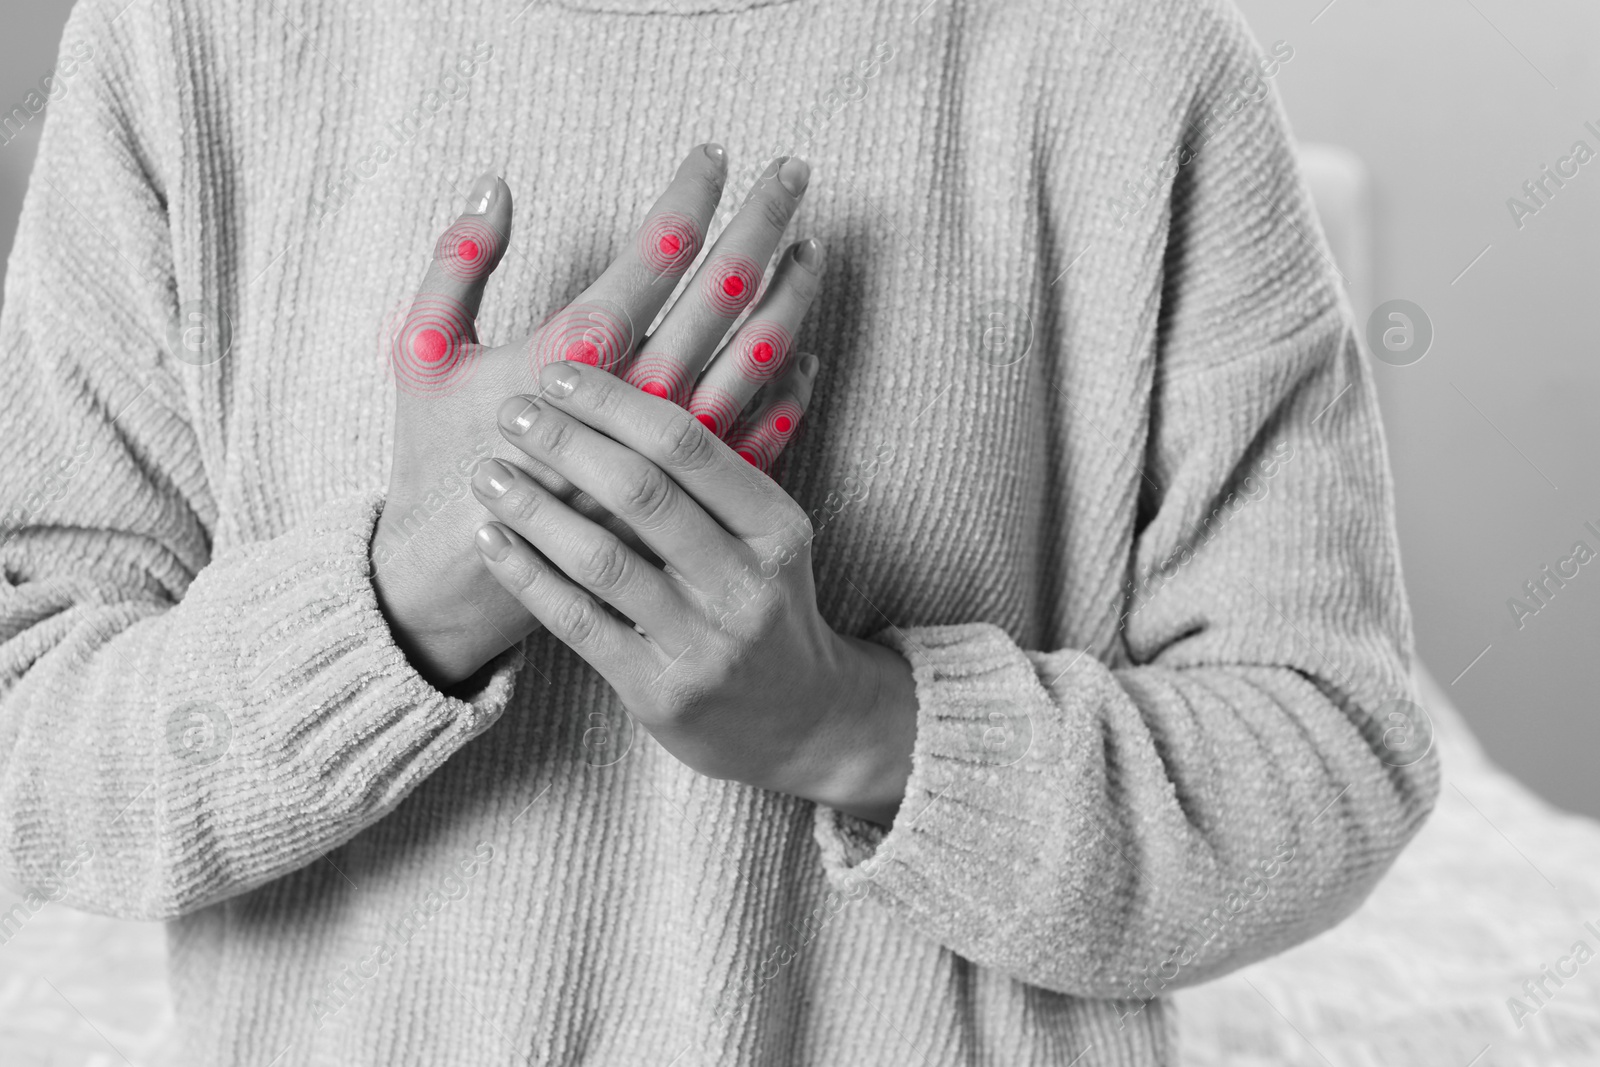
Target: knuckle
column 775, row 211
column 554, row 434
column 646, row 494
column 579, row 620
column 605, row 565
column 521, row 573
column 521, row 505
column 688, row 443
column 603, row 391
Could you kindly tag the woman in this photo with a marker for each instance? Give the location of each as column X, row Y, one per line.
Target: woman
column 1047, row 677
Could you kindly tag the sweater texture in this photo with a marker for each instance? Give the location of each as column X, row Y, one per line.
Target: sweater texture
column 1093, row 446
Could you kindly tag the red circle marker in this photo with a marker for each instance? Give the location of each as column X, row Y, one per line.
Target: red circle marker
column 731, row 282
column 750, row 457
column 429, row 349
column 468, row 249
column 430, row 345
column 595, row 334
column 708, row 422
column 782, row 424
column 659, row 375
column 763, row 351
column 669, row 242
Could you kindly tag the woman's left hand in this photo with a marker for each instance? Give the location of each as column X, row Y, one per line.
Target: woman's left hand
column 732, row 667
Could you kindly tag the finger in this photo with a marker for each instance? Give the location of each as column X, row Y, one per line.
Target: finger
column 588, row 554
column 600, row 327
column 430, row 349
column 758, row 353
column 762, row 437
column 673, row 356
column 743, row 502
column 607, row 643
column 625, row 484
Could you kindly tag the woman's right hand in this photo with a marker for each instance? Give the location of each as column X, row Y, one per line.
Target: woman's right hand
column 444, row 609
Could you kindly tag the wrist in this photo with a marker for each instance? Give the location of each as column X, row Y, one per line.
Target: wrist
column 874, row 732
column 417, row 625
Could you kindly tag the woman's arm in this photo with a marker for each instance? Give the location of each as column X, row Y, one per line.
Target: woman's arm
column 1235, row 784
column 176, row 726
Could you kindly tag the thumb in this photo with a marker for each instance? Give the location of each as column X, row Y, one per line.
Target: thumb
column 440, row 330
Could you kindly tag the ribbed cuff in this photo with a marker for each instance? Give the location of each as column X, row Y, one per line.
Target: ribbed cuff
column 981, row 716
column 319, row 725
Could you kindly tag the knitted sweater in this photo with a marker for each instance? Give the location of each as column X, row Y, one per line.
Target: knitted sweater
column 1093, row 446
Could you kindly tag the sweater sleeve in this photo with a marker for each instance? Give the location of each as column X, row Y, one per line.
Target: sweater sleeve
column 1239, row 773
column 176, row 727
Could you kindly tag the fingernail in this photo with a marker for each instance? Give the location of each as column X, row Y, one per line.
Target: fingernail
column 493, row 543
column 716, row 152
column 808, row 364
column 794, row 174
column 774, row 167
column 497, row 479
column 483, row 193
column 559, row 379
column 516, row 414
column 808, row 254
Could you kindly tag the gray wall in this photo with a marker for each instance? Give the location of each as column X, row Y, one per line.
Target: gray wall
column 1493, row 432
column 27, row 50
column 1454, row 105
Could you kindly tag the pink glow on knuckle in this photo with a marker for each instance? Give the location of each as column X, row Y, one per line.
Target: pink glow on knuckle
column 592, row 333
column 669, row 242
column 715, row 408
column 660, row 376
column 763, row 350
column 766, row 438
column 429, row 348
column 731, row 282
column 468, row 250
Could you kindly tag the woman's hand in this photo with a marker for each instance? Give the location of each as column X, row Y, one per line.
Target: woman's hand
column 731, row 666
column 444, row 609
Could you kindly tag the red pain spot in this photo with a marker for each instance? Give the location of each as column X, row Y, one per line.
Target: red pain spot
column 468, row 250
column 430, row 346
column 670, row 244
column 762, row 352
column 655, row 389
column 708, row 422
column 783, row 424
column 733, row 285
column 583, row 352
column 750, row 457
